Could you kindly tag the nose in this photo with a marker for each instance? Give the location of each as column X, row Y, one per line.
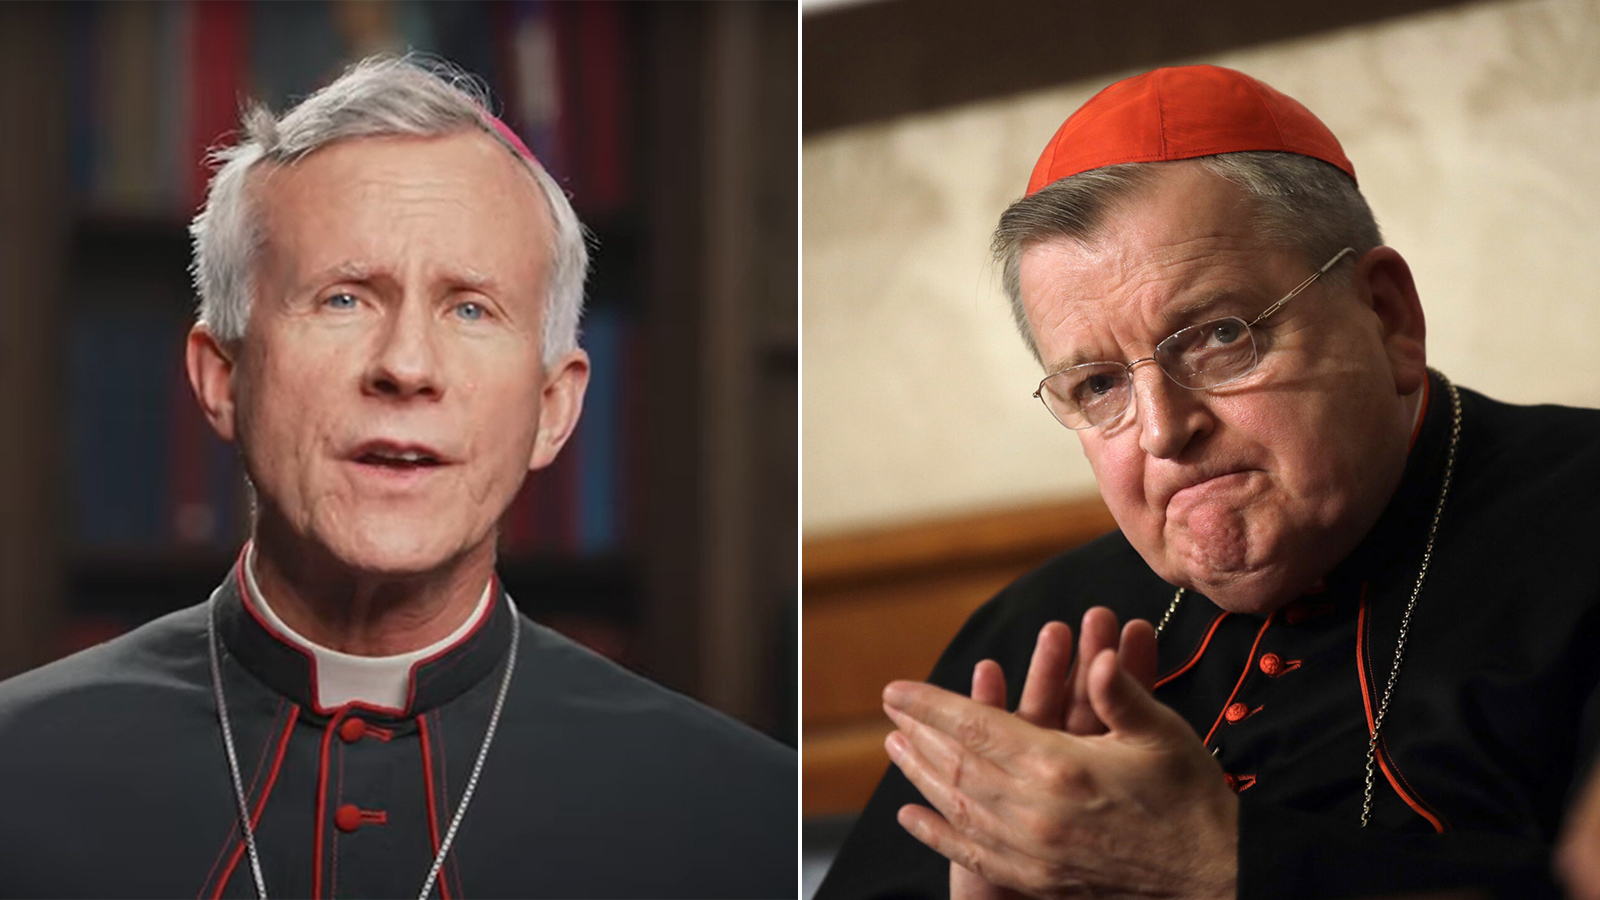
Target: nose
column 405, row 363
column 1171, row 417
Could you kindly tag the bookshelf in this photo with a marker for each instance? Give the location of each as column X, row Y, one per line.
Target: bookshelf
column 624, row 543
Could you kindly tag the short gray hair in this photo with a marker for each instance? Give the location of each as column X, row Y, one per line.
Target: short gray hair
column 379, row 96
column 1300, row 203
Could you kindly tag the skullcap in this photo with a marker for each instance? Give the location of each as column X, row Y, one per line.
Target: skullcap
column 1182, row 112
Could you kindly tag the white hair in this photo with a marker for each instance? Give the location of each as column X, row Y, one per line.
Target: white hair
column 379, row 96
column 1300, row 203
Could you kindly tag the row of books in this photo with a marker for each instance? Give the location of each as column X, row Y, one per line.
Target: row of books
column 149, row 474
column 156, row 85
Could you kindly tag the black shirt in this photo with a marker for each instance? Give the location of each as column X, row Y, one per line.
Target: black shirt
column 114, row 781
column 1494, row 714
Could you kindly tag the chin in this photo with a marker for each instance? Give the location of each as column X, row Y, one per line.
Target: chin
column 1227, row 579
column 398, row 549
column 1250, row 595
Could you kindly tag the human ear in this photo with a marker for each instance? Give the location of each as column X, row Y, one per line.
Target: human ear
column 210, row 366
column 560, row 404
column 1384, row 280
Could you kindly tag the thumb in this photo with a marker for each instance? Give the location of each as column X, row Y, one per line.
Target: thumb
column 1122, row 703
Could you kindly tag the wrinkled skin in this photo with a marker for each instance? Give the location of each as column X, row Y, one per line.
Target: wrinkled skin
column 398, row 304
column 1249, row 493
column 1056, row 696
column 1134, row 807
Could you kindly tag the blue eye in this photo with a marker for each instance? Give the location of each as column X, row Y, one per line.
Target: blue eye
column 340, row 301
column 470, row 311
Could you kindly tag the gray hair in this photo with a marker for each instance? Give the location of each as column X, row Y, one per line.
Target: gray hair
column 379, row 96
column 1301, row 204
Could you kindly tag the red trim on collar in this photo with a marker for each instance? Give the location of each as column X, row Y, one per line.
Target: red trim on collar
column 311, row 658
column 1199, row 652
column 1392, row 775
column 1416, row 430
column 248, row 603
column 488, row 613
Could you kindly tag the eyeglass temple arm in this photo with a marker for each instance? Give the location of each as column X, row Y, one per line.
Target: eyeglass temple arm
column 1304, row 284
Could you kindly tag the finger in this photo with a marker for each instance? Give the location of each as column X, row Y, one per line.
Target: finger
column 936, row 752
column 938, row 834
column 1044, row 694
column 953, row 801
column 1124, row 705
column 932, row 829
column 1137, row 652
column 958, row 766
column 989, row 684
column 1098, row 632
column 983, row 730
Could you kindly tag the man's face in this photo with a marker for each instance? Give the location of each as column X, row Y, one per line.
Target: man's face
column 1250, row 492
column 389, row 395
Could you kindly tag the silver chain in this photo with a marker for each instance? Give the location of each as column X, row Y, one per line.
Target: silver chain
column 238, row 780
column 1405, row 621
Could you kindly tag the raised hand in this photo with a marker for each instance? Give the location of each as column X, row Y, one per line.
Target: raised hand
column 1140, row 810
column 989, row 689
column 1056, row 693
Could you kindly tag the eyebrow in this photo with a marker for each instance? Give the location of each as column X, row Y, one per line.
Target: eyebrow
column 1178, row 315
column 466, row 278
column 344, row 271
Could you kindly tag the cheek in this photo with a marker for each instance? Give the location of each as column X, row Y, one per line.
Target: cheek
column 282, row 409
column 504, row 426
column 1119, row 473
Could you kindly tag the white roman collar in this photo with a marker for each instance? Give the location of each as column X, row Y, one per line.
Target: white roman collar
column 344, row 677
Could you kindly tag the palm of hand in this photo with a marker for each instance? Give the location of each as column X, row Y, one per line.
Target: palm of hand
column 1055, row 696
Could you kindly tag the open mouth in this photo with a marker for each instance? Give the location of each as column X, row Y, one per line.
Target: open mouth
column 399, row 460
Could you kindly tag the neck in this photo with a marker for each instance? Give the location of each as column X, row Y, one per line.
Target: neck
column 367, row 614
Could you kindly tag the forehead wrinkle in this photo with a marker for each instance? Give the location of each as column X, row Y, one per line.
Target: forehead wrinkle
column 464, row 277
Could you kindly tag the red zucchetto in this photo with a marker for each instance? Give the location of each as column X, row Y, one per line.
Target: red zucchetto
column 1179, row 113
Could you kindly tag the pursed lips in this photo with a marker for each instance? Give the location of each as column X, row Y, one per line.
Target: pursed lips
column 1193, row 480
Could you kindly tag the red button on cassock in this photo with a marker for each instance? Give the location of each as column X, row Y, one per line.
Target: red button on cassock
column 352, row 729
column 1272, row 664
column 347, row 817
column 1235, row 712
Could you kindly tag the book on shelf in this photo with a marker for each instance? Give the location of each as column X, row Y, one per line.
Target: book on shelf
column 156, row 87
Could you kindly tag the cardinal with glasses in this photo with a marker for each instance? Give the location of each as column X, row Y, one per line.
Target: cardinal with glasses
column 1344, row 640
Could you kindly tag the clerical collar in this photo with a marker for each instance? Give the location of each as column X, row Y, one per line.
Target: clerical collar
column 255, row 637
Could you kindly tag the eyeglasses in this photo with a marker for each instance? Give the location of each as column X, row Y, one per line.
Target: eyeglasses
column 1202, row 356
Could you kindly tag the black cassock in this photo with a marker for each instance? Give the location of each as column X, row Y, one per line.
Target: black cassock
column 114, row 780
column 1492, row 722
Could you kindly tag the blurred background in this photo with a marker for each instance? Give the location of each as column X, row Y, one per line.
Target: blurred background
column 932, row 477
column 664, row 536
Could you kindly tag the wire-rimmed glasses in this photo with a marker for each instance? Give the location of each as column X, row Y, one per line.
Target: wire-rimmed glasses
column 1198, row 357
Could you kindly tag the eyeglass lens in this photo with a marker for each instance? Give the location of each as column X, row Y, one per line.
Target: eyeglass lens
column 1201, row 356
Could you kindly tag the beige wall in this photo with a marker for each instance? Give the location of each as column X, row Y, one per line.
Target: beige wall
column 1476, row 135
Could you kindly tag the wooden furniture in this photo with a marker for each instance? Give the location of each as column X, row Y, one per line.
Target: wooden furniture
column 882, row 605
